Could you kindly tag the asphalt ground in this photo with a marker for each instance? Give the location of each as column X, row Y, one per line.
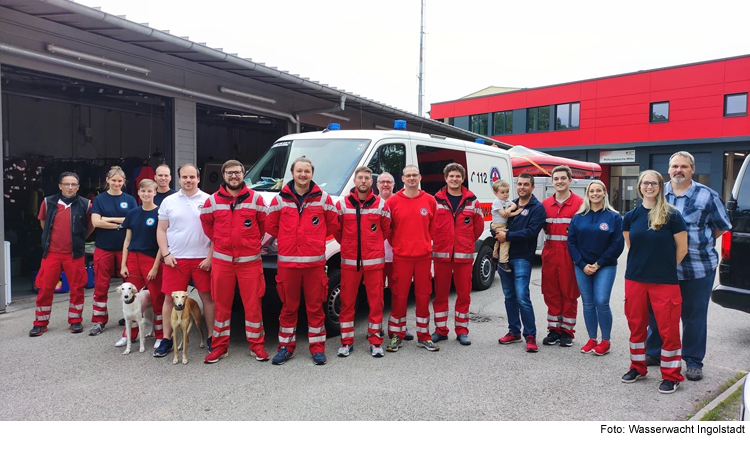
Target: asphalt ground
column 62, row 376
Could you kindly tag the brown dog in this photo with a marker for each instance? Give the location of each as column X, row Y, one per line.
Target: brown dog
column 185, row 308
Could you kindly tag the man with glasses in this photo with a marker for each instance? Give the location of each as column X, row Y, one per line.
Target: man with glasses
column 66, row 220
column 234, row 219
column 386, row 184
column 706, row 219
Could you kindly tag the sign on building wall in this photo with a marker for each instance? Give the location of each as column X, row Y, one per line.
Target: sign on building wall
column 616, row 157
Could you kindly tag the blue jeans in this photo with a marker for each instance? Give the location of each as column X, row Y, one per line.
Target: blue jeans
column 696, row 294
column 517, row 297
column 595, row 292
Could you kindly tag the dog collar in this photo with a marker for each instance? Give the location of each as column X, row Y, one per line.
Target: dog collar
column 131, row 301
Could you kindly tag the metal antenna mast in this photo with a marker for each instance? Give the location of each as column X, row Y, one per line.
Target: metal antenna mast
column 421, row 58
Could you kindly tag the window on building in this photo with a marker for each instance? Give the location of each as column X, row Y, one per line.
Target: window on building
column 735, row 104
column 537, row 119
column 659, row 112
column 502, row 123
column 568, row 115
column 461, row 122
column 480, row 123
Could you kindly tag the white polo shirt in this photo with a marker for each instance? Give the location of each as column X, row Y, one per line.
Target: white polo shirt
column 185, row 235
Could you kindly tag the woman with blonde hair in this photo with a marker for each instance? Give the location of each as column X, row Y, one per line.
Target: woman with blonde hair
column 107, row 214
column 656, row 235
column 595, row 242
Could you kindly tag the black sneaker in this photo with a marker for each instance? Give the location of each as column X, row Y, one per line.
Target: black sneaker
column 319, row 358
column 165, row 347
column 96, row 329
column 408, row 336
column 208, row 343
column 552, row 338
column 121, row 322
column 282, row 356
column 566, row 340
column 694, row 373
column 668, row 386
column 37, row 331
column 464, row 339
column 631, row 376
column 436, row 337
column 652, row 361
column 76, row 328
column 505, row 267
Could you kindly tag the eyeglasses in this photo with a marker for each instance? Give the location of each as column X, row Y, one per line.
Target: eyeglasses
column 649, row 183
column 68, row 184
column 385, row 182
column 233, row 173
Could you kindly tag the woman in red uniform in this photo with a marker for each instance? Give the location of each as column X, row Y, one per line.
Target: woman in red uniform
column 656, row 235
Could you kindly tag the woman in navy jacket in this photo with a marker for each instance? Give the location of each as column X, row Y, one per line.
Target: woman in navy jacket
column 595, row 242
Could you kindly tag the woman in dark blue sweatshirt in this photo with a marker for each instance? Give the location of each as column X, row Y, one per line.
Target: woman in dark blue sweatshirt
column 595, row 242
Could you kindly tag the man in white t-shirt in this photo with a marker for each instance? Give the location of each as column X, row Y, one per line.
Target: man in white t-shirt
column 186, row 249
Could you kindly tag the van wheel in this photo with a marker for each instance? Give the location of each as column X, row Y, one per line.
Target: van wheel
column 484, row 269
column 333, row 302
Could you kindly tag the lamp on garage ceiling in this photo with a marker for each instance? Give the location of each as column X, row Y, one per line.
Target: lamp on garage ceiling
column 249, row 96
column 337, row 117
column 97, row 59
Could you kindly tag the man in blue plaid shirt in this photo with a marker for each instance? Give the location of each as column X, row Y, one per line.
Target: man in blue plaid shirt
column 706, row 219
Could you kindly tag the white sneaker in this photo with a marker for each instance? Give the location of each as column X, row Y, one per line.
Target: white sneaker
column 157, row 343
column 121, row 342
column 344, row 350
column 376, row 350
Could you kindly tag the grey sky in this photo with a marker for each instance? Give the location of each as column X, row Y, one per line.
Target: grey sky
column 372, row 48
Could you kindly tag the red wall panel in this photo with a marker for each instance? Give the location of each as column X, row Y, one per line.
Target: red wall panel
column 737, row 70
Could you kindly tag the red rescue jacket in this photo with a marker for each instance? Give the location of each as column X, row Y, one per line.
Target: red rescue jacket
column 456, row 232
column 558, row 220
column 364, row 226
column 235, row 225
column 301, row 229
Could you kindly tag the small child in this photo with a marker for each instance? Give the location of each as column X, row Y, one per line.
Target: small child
column 502, row 203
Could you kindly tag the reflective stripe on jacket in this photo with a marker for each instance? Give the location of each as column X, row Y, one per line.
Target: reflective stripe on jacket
column 364, row 226
column 456, row 232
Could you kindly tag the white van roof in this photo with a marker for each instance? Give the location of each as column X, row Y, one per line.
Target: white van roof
column 374, row 135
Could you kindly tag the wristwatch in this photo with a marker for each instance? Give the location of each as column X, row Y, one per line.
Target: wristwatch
column 119, row 226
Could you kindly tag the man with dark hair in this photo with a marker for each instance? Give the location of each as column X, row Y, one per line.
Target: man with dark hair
column 458, row 224
column 66, row 220
column 300, row 218
column 365, row 223
column 234, row 219
column 559, row 285
column 522, row 231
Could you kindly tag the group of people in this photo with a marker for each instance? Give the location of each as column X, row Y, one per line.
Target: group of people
column 671, row 266
column 395, row 238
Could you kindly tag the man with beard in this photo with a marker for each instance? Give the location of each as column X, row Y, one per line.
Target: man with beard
column 234, row 219
column 706, row 219
column 365, row 223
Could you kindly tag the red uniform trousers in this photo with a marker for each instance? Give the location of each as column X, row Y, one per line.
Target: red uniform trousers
column 559, row 287
column 139, row 265
column 666, row 302
column 350, row 280
column 47, row 279
column 225, row 276
column 106, row 265
column 403, row 271
column 461, row 274
column 290, row 282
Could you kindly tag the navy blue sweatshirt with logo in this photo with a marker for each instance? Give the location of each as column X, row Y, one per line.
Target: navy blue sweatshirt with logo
column 596, row 238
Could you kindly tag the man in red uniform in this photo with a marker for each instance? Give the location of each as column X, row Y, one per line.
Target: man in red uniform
column 66, row 220
column 365, row 223
column 559, row 285
column 413, row 225
column 458, row 224
column 234, row 219
column 300, row 218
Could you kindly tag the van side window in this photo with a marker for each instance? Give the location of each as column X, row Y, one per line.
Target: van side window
column 390, row 158
column 432, row 161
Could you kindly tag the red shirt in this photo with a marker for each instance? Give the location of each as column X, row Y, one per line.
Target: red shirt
column 60, row 240
column 412, row 224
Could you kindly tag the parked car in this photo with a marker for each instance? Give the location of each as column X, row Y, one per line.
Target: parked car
column 733, row 290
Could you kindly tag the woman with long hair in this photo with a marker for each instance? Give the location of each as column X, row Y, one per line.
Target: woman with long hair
column 107, row 214
column 595, row 242
column 656, row 236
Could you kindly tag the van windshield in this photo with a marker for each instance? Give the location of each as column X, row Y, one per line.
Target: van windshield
column 334, row 161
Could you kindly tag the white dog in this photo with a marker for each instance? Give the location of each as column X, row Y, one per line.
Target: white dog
column 136, row 308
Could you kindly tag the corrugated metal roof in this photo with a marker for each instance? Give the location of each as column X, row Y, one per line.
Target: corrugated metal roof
column 98, row 22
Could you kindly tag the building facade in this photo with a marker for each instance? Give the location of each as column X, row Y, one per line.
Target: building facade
column 627, row 123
